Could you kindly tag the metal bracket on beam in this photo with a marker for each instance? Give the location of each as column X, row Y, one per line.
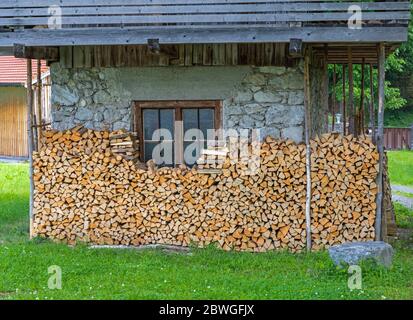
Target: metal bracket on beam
column 295, row 48
column 153, row 45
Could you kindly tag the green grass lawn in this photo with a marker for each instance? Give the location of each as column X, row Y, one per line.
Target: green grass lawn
column 401, row 167
column 404, row 216
column 205, row 274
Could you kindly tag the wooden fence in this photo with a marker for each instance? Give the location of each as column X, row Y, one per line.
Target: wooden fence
column 398, row 138
column 13, row 122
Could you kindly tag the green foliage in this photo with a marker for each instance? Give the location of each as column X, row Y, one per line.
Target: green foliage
column 392, row 94
column 398, row 64
column 405, row 52
column 400, row 118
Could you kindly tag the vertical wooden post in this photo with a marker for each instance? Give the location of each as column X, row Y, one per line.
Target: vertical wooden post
column 39, row 103
column 307, row 102
column 350, row 93
column 360, row 126
column 372, row 111
column 380, row 120
column 325, row 89
column 30, row 138
column 333, row 102
column 343, row 113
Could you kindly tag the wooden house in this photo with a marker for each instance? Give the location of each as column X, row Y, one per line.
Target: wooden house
column 140, row 65
column 13, row 115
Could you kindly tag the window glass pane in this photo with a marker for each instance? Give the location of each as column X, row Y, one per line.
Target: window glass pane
column 190, row 119
column 148, row 150
column 192, row 152
column 167, row 118
column 150, row 122
column 206, row 121
column 196, row 123
column 163, row 156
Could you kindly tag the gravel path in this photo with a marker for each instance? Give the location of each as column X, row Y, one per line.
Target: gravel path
column 405, row 201
column 402, row 189
column 12, row 160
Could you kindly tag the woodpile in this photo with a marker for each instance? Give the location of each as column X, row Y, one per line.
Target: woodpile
column 343, row 177
column 124, row 143
column 85, row 192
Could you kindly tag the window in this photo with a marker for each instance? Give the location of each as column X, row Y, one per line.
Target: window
column 165, row 129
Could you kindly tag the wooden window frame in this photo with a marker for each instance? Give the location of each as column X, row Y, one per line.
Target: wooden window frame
column 177, row 105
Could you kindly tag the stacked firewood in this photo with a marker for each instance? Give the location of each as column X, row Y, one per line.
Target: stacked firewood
column 83, row 191
column 124, row 143
column 343, row 177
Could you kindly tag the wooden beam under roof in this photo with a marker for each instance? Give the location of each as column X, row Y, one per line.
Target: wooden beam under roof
column 178, row 35
column 338, row 53
column 38, row 53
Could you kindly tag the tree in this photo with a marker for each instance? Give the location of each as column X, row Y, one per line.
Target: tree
column 394, row 63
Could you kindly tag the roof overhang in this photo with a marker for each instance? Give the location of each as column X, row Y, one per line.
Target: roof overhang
column 247, row 34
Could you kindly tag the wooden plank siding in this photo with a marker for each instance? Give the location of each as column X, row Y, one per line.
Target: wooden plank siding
column 104, row 22
column 13, row 122
column 398, row 138
column 271, row 54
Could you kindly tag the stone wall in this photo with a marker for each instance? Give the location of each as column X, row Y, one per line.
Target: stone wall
column 269, row 98
column 92, row 97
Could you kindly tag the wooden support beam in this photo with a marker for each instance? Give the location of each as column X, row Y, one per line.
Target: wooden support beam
column 39, row 103
column 43, row 53
column 333, row 102
column 344, row 116
column 30, row 138
column 324, row 96
column 372, row 117
column 360, row 116
column 182, row 35
column 380, row 146
column 307, row 105
column 350, row 93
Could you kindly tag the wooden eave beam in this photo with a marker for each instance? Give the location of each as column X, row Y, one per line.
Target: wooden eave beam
column 176, row 35
column 38, row 53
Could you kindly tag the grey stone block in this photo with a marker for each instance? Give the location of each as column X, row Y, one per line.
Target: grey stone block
column 273, row 70
column 243, row 96
column 84, row 114
column 63, row 96
column 269, row 131
column 284, row 115
column 354, row 252
column 293, row 133
column 255, row 79
column 102, row 97
column 268, row 96
column 296, row 97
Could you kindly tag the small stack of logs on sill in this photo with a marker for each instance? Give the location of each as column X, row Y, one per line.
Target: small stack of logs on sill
column 86, row 192
column 125, row 144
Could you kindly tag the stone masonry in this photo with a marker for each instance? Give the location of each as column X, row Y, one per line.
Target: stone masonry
column 268, row 98
column 91, row 97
